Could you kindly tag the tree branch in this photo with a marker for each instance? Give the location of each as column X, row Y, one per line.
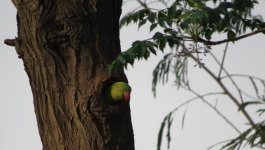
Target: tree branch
column 10, row 42
column 143, row 4
column 202, row 97
column 236, row 102
column 216, row 110
column 195, row 98
column 223, row 60
column 242, row 75
column 231, row 79
column 230, row 40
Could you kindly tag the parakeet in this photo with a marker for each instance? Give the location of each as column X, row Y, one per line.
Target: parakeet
column 117, row 92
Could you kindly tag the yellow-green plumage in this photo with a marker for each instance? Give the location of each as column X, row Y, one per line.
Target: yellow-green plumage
column 117, row 92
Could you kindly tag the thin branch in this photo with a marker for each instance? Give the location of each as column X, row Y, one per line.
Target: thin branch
column 216, row 110
column 223, row 60
column 195, row 98
column 221, row 142
column 225, row 141
column 231, row 79
column 244, row 112
column 250, row 96
column 143, row 4
column 242, row 75
column 202, row 97
column 255, row 87
column 230, row 40
column 164, row 3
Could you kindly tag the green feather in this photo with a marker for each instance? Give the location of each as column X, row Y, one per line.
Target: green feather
column 114, row 92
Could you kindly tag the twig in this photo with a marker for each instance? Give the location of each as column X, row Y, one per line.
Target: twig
column 245, row 76
column 164, row 3
column 231, row 79
column 212, row 146
column 193, row 99
column 216, row 110
column 222, row 63
column 230, row 40
column 202, row 97
column 242, row 75
column 229, row 94
column 143, row 4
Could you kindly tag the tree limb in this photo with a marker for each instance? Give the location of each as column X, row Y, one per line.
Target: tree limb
column 10, row 42
column 230, row 40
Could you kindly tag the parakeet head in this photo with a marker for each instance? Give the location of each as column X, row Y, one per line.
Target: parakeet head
column 117, row 92
column 120, row 91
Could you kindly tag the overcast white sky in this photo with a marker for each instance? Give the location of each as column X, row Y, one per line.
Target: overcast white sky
column 18, row 129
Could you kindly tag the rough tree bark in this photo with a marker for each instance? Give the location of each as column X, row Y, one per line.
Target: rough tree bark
column 65, row 46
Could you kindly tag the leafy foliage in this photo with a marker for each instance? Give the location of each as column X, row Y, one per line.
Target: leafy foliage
column 191, row 20
column 178, row 65
column 187, row 28
column 252, row 137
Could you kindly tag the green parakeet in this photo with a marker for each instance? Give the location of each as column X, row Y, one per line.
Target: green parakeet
column 117, row 92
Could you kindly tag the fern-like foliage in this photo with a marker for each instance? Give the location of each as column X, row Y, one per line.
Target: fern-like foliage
column 188, row 20
column 187, row 28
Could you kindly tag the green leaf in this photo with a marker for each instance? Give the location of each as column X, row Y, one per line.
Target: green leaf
column 160, row 134
column 153, row 26
column 195, row 3
column 231, row 34
column 161, row 18
column 183, row 117
column 161, row 15
column 162, row 23
column 158, row 36
column 152, row 50
column 151, row 47
column 146, row 55
column 172, row 12
column 171, row 31
column 161, row 40
column 142, row 50
column 135, row 17
column 125, row 20
column 208, row 34
column 152, row 17
column 162, row 43
column 171, row 43
column 141, row 23
column 169, row 22
column 142, row 13
column 178, row 13
column 169, row 123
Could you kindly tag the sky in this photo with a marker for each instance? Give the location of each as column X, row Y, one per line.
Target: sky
column 203, row 127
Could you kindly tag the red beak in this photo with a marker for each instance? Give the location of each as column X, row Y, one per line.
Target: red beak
column 126, row 96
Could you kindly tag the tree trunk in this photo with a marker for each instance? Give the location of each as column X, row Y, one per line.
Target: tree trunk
column 65, row 46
